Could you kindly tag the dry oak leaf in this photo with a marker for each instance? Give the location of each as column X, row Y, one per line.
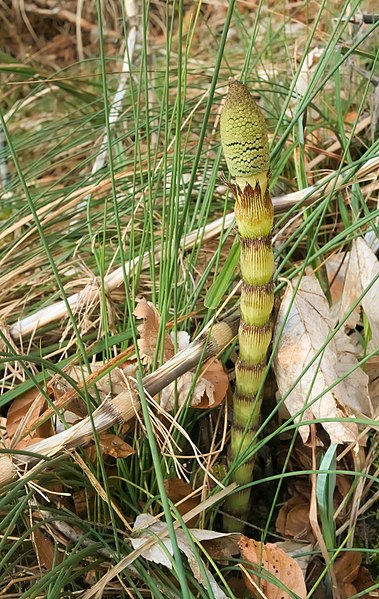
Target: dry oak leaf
column 111, row 445
column 300, row 551
column 207, row 392
column 149, row 331
column 336, row 266
column 362, row 270
column 307, row 324
column 268, row 559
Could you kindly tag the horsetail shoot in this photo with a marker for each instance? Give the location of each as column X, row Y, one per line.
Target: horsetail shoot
column 245, row 145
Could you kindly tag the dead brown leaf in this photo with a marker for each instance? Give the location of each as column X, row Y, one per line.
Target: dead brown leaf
column 336, row 266
column 208, row 391
column 299, row 550
column 45, row 550
column 214, row 373
column 114, row 446
column 346, row 570
column 148, row 331
column 23, row 413
column 111, row 445
column 305, row 332
column 90, row 577
column 182, row 387
column 84, row 501
column 293, row 520
column 224, row 548
column 347, row 566
column 343, row 486
column 350, row 575
column 277, row 563
column 363, row 581
column 350, row 117
column 178, row 490
column 160, row 552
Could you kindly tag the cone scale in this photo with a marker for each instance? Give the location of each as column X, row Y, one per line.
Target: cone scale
column 245, row 146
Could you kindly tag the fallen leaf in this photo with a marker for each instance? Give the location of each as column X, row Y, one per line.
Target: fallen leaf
column 364, row 581
column 178, row 491
column 182, row 387
column 347, row 566
column 90, row 577
column 351, row 117
column 293, row 519
column 346, row 570
column 84, row 502
column 362, row 269
column 45, row 551
column 146, row 526
column 149, row 331
column 22, row 414
column 305, row 332
column 275, row 562
column 114, row 446
column 208, row 391
column 336, row 266
column 353, row 389
column 214, row 372
column 223, row 548
column 343, row 486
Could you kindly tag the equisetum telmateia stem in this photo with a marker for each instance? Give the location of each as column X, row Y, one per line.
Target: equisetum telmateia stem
column 245, row 145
